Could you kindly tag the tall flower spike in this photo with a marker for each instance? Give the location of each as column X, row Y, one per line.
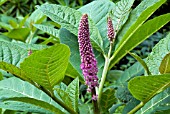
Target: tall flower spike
column 88, row 61
column 110, row 29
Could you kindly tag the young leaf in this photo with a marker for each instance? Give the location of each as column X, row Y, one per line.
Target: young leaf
column 159, row 102
column 120, row 13
column 142, row 33
column 160, row 50
column 165, row 65
column 14, row 87
column 107, row 100
column 47, row 67
column 142, row 62
column 73, row 91
column 99, row 11
column 48, row 29
column 69, row 18
column 144, row 88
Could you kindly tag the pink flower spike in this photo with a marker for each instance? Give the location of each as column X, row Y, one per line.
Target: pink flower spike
column 110, row 29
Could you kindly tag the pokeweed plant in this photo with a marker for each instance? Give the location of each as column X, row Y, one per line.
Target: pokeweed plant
column 92, row 40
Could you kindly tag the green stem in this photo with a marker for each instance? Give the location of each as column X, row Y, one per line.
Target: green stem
column 136, row 108
column 106, row 66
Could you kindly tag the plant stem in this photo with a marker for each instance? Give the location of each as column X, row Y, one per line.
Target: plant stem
column 95, row 104
column 136, row 108
column 106, row 66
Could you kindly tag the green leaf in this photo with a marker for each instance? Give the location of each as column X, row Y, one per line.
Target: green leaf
column 25, row 92
column 165, row 65
column 2, row 2
column 5, row 26
column 71, row 40
column 160, row 50
column 142, row 62
column 69, row 18
column 159, row 102
column 13, row 70
column 47, row 67
column 135, row 70
column 48, row 29
column 24, row 104
column 107, row 100
column 121, row 13
column 142, row 33
column 19, row 34
column 137, row 17
column 98, row 12
column 73, row 91
column 146, row 87
column 85, row 109
column 11, row 53
column 64, row 96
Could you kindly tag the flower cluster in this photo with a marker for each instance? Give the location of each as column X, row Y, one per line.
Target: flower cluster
column 110, row 31
column 88, row 61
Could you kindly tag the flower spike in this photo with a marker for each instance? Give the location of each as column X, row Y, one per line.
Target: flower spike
column 110, row 31
column 88, row 61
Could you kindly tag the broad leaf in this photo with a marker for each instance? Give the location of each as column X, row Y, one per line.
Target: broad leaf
column 137, row 17
column 142, row 62
column 107, row 100
column 142, row 33
column 69, row 18
column 47, row 67
column 73, row 91
column 98, row 11
column 48, row 29
column 144, row 88
column 14, row 87
column 160, row 50
column 165, row 65
column 2, row 2
column 120, row 13
column 71, row 40
column 19, row 34
column 158, row 103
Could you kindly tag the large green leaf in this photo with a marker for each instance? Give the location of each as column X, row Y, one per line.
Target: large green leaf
column 71, row 40
column 47, row 67
column 16, row 94
column 107, row 100
column 121, row 13
column 48, row 29
column 165, row 65
column 146, row 87
column 160, row 50
column 142, row 33
column 2, row 2
column 98, row 11
column 158, row 103
column 73, row 91
column 69, row 18
column 137, row 17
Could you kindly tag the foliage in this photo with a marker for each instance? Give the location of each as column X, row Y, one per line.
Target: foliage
column 40, row 60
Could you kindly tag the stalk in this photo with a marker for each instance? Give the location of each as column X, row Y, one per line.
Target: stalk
column 136, row 108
